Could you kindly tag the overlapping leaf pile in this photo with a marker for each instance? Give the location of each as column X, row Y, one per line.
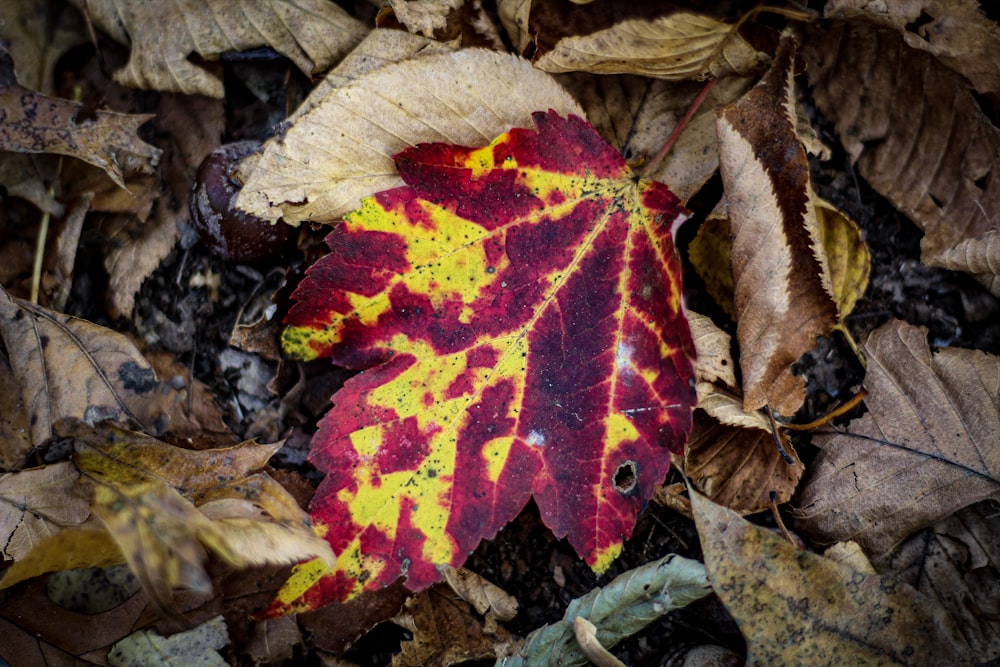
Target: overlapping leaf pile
column 519, row 308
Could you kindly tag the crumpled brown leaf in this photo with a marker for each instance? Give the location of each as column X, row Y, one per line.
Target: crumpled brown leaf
column 313, row 34
column 34, row 123
column 341, row 150
column 957, row 563
column 918, row 136
column 796, row 608
column 929, row 445
column 37, row 503
column 783, row 298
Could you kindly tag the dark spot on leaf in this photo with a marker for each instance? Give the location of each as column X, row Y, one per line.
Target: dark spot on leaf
column 44, row 341
column 137, row 379
column 626, row 477
column 98, row 413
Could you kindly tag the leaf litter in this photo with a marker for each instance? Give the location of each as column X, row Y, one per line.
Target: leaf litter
column 733, row 456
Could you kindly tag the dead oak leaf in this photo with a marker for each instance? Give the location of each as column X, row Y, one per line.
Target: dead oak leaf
column 518, row 309
column 783, row 294
column 929, row 445
column 313, row 34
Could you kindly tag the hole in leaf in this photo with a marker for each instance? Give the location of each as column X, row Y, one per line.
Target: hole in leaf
column 916, row 27
column 626, row 477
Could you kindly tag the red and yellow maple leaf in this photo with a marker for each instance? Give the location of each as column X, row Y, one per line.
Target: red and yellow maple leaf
column 518, row 310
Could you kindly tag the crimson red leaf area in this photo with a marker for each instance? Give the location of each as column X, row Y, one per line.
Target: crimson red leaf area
column 516, row 311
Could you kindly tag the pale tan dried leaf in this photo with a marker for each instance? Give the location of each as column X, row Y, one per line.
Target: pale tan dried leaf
column 783, row 298
column 514, row 17
column 484, row 596
column 637, row 115
column 37, row 36
column 342, row 150
column 928, row 446
column 37, row 503
column 740, row 467
column 425, row 17
column 68, row 367
column 797, row 608
column 956, row 32
column 714, row 362
column 313, row 34
column 727, row 407
column 34, row 123
column 956, row 562
column 979, row 256
column 850, row 554
column 198, row 646
column 678, row 46
column 914, row 129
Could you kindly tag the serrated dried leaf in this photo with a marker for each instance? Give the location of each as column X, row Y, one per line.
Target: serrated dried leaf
column 341, row 150
column 929, row 445
column 795, row 607
column 629, row 603
column 714, row 360
column 917, row 134
column 425, row 17
column 311, row 33
column 679, row 45
column 783, row 298
column 34, row 123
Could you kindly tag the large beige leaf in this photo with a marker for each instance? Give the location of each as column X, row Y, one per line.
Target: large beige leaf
column 957, row 563
column 342, row 150
column 34, row 123
column 37, row 503
column 797, row 608
column 918, row 136
column 929, row 445
column 783, row 298
column 313, row 34
column 957, row 32
column 677, row 45
column 68, row 367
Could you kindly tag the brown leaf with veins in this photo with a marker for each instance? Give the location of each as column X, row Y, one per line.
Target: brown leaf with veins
column 37, row 503
column 15, row 434
column 956, row 562
column 68, row 367
column 797, row 608
column 928, row 446
column 313, row 34
column 917, row 135
column 34, row 123
column 783, row 296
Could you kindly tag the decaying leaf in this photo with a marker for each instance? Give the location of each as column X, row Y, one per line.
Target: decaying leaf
column 783, row 297
column 929, row 445
column 425, row 17
column 311, row 33
column 446, row 631
column 676, row 44
column 197, row 646
column 795, row 607
column 518, row 307
column 37, row 503
column 69, row 367
column 342, row 150
column 484, row 596
column 34, row 123
column 15, row 435
column 918, row 136
column 955, row 562
column 626, row 605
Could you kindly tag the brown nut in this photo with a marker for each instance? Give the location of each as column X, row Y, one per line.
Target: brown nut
column 232, row 234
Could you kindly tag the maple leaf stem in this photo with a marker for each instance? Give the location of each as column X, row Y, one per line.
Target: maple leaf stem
column 672, row 139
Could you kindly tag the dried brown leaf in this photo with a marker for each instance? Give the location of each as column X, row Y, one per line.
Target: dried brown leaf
column 956, row 562
column 34, row 123
column 313, row 34
column 37, row 503
column 783, row 296
column 342, row 149
column 37, row 38
column 68, row 367
column 797, row 608
column 675, row 44
column 425, row 17
column 740, row 468
column 929, row 445
column 917, row 134
column 484, row 596
column 15, row 433
column 714, row 362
